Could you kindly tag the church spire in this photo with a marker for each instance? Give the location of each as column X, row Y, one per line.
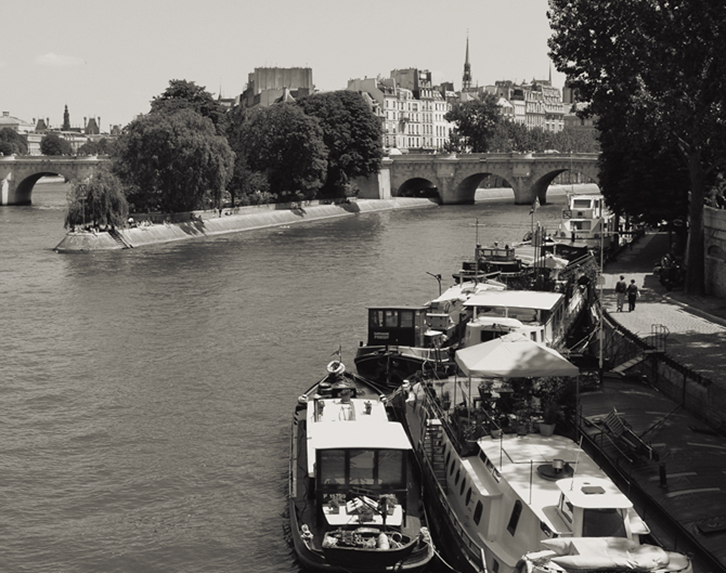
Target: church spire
column 466, row 78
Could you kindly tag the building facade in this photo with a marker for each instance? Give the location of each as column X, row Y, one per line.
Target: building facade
column 411, row 110
column 266, row 86
column 537, row 104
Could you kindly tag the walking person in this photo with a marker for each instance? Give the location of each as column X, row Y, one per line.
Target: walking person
column 632, row 295
column 620, row 288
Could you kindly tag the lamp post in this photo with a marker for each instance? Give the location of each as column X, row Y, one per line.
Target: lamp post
column 438, row 278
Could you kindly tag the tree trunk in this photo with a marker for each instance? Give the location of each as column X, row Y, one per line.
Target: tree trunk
column 695, row 254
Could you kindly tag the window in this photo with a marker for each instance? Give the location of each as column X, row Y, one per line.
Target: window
column 391, row 468
column 332, row 466
column 406, row 318
column 361, row 467
column 463, row 485
column 514, row 518
column 391, row 318
column 478, row 512
column 468, row 496
column 603, row 522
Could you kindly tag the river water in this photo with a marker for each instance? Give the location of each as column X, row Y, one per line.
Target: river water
column 146, row 394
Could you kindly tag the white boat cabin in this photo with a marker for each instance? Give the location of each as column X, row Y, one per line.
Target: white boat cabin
column 539, row 315
column 352, row 446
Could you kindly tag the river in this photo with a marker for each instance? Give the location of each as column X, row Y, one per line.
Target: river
column 147, row 393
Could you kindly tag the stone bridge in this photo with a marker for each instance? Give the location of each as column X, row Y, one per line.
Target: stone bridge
column 455, row 178
column 18, row 174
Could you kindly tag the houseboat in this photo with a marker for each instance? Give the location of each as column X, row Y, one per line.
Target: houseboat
column 405, row 339
column 354, row 488
column 520, row 502
column 588, row 220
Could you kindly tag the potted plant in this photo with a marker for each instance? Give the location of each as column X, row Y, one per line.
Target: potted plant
column 549, row 391
column 446, row 400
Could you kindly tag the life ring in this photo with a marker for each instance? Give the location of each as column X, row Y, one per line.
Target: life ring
column 336, row 367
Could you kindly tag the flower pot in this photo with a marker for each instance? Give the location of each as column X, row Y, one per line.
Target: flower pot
column 546, row 429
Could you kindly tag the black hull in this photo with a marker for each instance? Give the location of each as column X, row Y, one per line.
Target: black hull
column 391, row 368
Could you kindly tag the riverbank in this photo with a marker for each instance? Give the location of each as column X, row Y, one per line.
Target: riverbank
column 228, row 222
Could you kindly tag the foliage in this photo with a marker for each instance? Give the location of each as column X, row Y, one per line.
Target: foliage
column 99, row 201
column 182, row 94
column 173, row 162
column 12, row 143
column 475, row 122
column 643, row 179
column 53, row 144
column 351, row 133
column 89, row 148
column 285, row 145
column 633, row 62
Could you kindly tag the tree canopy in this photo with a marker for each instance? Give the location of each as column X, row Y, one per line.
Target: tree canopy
column 285, row 145
column 173, row 161
column 475, row 122
column 351, row 133
column 12, row 143
column 657, row 67
column 99, row 201
column 182, row 94
column 53, row 144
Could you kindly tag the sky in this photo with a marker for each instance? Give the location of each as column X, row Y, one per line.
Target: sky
column 108, row 58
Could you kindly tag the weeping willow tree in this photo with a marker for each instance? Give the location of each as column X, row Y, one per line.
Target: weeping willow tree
column 98, row 201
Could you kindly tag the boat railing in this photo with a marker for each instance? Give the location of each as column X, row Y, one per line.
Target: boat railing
column 475, row 552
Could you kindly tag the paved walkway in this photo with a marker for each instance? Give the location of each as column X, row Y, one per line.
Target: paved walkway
column 696, row 325
column 688, row 478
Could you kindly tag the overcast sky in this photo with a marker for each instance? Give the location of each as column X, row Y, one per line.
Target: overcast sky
column 108, row 59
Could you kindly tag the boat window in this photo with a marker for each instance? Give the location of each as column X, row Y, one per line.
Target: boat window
column 361, row 466
column 448, row 457
column 331, row 466
column 581, row 203
column 463, row 485
column 453, row 465
column 391, row 468
column 406, row 318
column 458, row 475
column 566, row 508
column 468, row 496
column 390, row 318
column 603, row 522
column 477, row 512
column 495, row 566
column 376, row 317
column 514, row 518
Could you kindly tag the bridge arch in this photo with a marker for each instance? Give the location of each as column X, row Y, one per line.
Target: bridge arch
column 418, row 187
column 18, row 175
column 457, row 177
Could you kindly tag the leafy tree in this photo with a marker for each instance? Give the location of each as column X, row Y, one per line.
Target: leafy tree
column 286, row 145
column 89, row 148
column 182, row 94
column 475, row 122
column 12, row 143
column 173, row 162
column 631, row 166
column 52, row 144
column 352, row 134
column 99, row 201
column 660, row 65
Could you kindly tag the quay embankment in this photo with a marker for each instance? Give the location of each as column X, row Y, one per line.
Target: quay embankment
column 160, row 229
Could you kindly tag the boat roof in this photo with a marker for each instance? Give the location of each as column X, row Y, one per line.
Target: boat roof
column 516, row 459
column 516, row 299
column 469, row 288
column 347, row 426
column 593, row 492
